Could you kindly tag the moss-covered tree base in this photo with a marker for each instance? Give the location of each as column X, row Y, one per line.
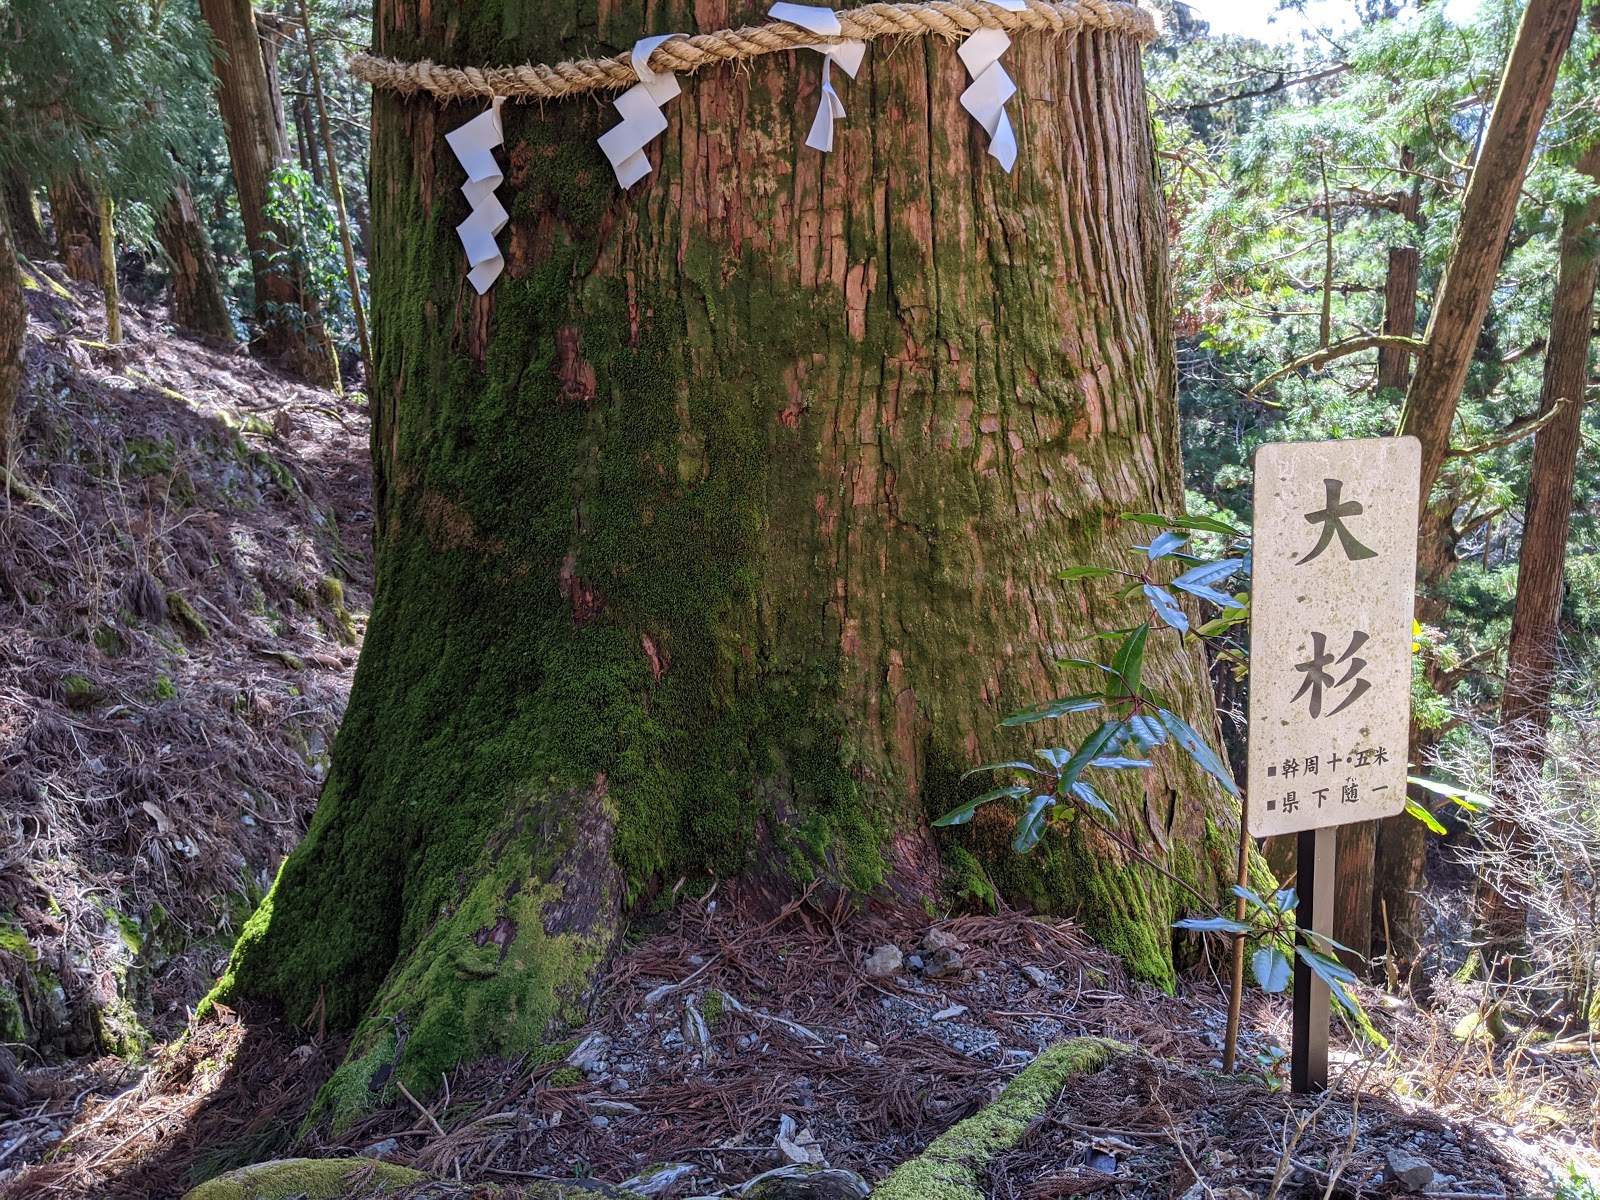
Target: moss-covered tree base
column 719, row 536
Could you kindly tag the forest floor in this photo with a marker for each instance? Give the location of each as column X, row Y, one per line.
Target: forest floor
column 180, row 608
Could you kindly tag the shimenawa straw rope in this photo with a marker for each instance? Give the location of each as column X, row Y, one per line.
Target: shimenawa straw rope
column 681, row 55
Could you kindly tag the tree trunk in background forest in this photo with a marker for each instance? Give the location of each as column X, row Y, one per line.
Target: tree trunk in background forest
column 716, row 540
column 13, row 328
column 1531, row 656
column 257, row 145
column 22, row 212
column 198, row 304
column 1400, row 289
column 1357, row 919
column 1460, row 303
column 75, row 213
column 270, row 29
column 1462, row 297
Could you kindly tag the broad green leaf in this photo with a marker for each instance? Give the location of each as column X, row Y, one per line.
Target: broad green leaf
column 1103, row 740
column 1222, row 599
column 1472, row 801
column 960, row 816
column 1333, row 973
column 1010, row 766
column 1147, row 730
column 1163, row 544
column 1199, row 524
column 1116, row 762
column 1204, row 756
column 1427, row 818
column 1208, row 574
column 1245, row 893
column 1166, row 607
column 1212, row 925
column 1084, row 662
column 1054, row 708
column 1272, row 969
column 1287, row 900
column 1031, row 827
column 1055, row 756
column 1088, row 573
column 1083, row 791
column 1127, row 664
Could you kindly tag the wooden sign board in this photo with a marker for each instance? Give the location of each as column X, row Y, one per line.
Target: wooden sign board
column 1334, row 561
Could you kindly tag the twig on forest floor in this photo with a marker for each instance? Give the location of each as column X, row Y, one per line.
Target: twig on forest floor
column 404, row 1091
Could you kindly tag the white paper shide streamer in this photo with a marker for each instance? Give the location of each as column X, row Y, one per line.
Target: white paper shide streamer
column 474, row 145
column 991, row 86
column 824, row 22
column 642, row 118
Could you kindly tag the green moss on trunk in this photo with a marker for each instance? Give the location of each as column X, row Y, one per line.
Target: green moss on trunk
column 718, row 537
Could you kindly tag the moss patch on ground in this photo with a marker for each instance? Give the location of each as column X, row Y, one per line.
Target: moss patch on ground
column 310, row 1178
column 952, row 1166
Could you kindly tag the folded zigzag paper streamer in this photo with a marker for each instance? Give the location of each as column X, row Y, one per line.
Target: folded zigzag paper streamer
column 474, row 145
column 642, row 118
column 991, row 86
column 848, row 55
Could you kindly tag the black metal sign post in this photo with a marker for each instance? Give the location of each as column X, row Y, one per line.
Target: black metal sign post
column 1308, row 1047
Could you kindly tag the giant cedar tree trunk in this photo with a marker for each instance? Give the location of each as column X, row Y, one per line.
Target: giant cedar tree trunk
column 1531, row 656
column 198, row 304
column 252, row 119
column 718, row 537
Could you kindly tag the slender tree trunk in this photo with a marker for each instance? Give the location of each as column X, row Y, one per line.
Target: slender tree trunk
column 75, row 213
column 1531, row 657
column 13, row 330
column 108, row 270
column 1491, row 202
column 358, row 308
column 717, row 538
column 306, row 139
column 198, row 303
column 22, row 211
column 257, row 145
column 1454, row 323
column 1400, row 293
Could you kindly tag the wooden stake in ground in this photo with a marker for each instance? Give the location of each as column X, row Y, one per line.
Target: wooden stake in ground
column 13, row 324
column 1230, row 1047
column 108, row 269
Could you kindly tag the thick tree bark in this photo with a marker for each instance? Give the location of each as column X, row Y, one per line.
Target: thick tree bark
column 22, row 211
column 1491, row 202
column 718, row 537
column 257, row 144
column 1531, row 656
column 13, row 329
column 75, row 213
column 198, row 304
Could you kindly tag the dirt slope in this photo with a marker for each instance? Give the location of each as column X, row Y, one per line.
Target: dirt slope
column 183, row 581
